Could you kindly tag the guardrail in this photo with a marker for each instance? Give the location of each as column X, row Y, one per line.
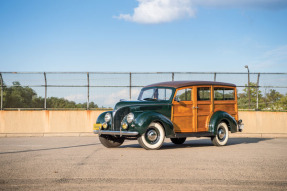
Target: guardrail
column 98, row 87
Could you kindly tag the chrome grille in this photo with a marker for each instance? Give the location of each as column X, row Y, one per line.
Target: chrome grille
column 118, row 117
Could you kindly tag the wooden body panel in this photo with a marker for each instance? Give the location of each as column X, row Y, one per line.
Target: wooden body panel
column 193, row 116
column 183, row 116
column 203, row 112
column 227, row 106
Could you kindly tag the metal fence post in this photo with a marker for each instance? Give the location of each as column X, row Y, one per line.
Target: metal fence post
column 88, row 97
column 1, row 79
column 130, row 86
column 257, row 99
column 215, row 76
column 172, row 76
column 249, row 93
column 45, row 101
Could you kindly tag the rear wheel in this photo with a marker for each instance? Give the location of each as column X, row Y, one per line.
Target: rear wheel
column 222, row 136
column 111, row 141
column 153, row 138
column 178, row 141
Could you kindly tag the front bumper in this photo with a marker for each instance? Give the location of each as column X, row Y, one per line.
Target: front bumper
column 120, row 133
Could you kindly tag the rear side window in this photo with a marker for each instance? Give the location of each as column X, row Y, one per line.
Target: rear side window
column 223, row 93
column 203, row 93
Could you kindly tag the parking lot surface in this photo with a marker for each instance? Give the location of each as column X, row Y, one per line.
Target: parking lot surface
column 74, row 163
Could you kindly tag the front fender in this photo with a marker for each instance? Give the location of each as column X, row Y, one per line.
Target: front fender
column 220, row 116
column 101, row 117
column 144, row 119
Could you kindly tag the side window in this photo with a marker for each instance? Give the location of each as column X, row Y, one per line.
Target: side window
column 203, row 93
column 218, row 93
column 223, row 93
column 184, row 94
column 164, row 94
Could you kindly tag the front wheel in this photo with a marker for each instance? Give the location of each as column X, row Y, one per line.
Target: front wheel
column 221, row 137
column 153, row 138
column 111, row 141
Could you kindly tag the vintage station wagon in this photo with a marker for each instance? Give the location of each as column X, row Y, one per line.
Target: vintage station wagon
column 175, row 110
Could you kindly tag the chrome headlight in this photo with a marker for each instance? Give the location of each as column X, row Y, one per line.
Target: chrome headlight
column 130, row 117
column 108, row 117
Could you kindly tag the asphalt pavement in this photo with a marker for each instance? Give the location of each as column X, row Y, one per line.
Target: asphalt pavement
column 82, row 163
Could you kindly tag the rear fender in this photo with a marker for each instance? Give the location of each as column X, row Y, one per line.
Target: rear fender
column 220, row 116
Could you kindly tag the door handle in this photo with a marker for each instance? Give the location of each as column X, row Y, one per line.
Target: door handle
column 195, row 107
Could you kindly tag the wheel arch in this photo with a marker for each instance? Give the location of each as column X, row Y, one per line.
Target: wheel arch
column 145, row 119
column 222, row 116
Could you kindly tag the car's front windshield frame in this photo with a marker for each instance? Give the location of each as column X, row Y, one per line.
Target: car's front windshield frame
column 152, row 99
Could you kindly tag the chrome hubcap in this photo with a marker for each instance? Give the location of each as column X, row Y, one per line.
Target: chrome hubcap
column 221, row 133
column 152, row 135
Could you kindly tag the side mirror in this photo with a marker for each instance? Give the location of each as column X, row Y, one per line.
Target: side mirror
column 176, row 99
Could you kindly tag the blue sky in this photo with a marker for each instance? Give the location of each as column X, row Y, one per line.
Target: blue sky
column 143, row 36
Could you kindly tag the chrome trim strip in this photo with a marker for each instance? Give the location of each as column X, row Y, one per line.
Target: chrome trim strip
column 113, row 124
column 115, row 132
column 145, row 105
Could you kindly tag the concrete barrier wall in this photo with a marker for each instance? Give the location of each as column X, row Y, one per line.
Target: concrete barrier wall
column 263, row 124
column 80, row 123
column 47, row 123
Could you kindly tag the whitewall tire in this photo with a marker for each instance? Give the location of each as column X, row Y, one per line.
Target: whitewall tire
column 153, row 138
column 222, row 135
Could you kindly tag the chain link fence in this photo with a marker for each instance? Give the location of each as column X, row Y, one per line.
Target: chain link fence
column 101, row 90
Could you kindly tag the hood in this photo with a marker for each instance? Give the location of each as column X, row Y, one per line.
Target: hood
column 140, row 104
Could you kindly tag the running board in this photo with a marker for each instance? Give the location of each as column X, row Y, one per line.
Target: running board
column 197, row 134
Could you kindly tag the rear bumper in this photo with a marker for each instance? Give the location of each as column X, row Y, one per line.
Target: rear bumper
column 120, row 133
column 240, row 126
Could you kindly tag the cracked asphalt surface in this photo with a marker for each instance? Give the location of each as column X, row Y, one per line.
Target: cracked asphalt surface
column 74, row 163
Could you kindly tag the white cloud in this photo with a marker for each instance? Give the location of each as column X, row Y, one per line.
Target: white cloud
column 275, row 58
column 161, row 11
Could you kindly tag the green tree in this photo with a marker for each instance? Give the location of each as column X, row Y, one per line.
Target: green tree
column 243, row 99
column 272, row 100
column 17, row 96
column 283, row 102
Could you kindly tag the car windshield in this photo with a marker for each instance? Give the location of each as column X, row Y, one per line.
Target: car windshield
column 153, row 94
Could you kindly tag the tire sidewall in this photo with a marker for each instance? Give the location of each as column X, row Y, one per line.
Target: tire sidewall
column 111, row 142
column 224, row 141
column 160, row 140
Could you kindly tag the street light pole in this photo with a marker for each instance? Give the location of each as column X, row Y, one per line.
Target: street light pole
column 249, row 96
